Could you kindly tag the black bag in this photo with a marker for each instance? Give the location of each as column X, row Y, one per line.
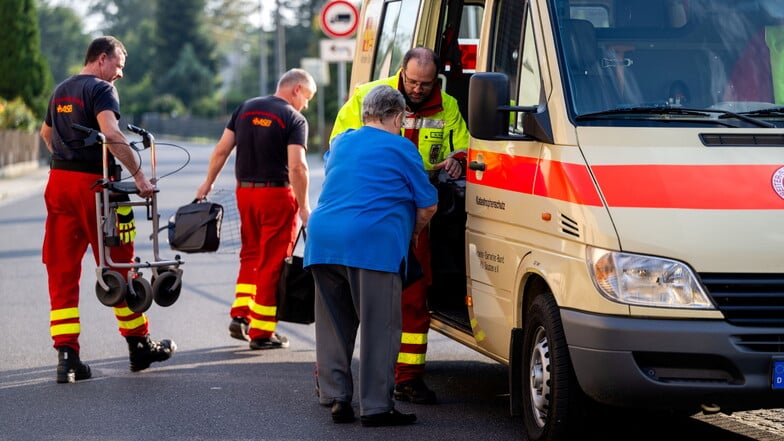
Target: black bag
column 196, row 227
column 296, row 293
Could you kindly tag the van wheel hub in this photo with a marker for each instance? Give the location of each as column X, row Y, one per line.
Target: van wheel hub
column 540, row 377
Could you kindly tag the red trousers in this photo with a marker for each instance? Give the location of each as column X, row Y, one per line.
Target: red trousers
column 416, row 318
column 268, row 229
column 71, row 225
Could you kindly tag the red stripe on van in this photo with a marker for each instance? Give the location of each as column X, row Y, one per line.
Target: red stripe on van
column 708, row 187
column 556, row 180
column 705, row 187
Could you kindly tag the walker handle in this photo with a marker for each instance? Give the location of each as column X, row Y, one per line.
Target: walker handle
column 93, row 136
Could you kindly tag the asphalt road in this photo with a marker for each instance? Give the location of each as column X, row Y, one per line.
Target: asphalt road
column 215, row 388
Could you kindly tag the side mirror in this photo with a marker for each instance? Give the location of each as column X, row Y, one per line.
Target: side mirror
column 489, row 109
column 488, row 105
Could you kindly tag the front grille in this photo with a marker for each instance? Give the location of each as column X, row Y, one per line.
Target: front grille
column 748, row 299
column 761, row 342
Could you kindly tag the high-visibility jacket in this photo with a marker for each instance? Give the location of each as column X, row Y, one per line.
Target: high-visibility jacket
column 437, row 127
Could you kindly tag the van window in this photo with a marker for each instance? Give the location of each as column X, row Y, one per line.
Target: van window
column 396, row 36
column 514, row 54
column 468, row 37
column 698, row 54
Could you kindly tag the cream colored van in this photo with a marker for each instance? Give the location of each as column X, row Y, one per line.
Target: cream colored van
column 621, row 239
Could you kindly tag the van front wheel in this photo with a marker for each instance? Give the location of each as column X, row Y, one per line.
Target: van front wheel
column 550, row 390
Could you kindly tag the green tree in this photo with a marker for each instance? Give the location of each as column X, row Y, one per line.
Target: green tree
column 181, row 24
column 188, row 78
column 25, row 72
column 63, row 40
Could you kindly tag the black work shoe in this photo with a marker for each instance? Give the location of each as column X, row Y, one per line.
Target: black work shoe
column 144, row 351
column 391, row 418
column 275, row 341
column 69, row 368
column 342, row 412
column 238, row 328
column 415, row 391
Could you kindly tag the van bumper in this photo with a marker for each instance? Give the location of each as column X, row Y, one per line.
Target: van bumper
column 673, row 364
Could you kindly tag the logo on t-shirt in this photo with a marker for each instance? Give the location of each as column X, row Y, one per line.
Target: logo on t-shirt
column 263, row 122
column 66, row 104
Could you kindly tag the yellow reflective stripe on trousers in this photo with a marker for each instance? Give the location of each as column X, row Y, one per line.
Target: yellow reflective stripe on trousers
column 245, row 288
column 132, row 324
column 64, row 329
column 262, row 325
column 408, row 358
column 122, row 313
column 270, row 311
column 241, row 302
column 63, row 314
column 409, row 338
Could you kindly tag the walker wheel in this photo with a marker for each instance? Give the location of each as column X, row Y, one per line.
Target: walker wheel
column 117, row 288
column 141, row 298
column 164, row 292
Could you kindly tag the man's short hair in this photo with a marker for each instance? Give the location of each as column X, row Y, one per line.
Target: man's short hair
column 296, row 76
column 422, row 55
column 103, row 45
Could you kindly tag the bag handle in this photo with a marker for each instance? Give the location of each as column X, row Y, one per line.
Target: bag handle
column 304, row 235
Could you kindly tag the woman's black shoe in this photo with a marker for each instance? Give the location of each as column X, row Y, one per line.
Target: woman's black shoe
column 391, row 418
column 342, row 412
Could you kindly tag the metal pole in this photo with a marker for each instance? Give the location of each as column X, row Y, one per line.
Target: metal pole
column 341, row 83
column 280, row 47
column 262, row 54
column 321, row 120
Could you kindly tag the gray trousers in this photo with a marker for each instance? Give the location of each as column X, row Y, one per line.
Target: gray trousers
column 346, row 299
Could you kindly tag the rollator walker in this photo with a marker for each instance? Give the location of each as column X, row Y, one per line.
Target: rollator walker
column 111, row 288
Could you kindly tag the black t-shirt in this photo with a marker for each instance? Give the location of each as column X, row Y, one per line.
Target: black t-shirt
column 79, row 99
column 264, row 127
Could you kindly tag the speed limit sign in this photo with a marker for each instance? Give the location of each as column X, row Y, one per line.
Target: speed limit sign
column 339, row 19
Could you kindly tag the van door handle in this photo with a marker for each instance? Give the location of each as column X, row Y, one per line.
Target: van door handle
column 476, row 166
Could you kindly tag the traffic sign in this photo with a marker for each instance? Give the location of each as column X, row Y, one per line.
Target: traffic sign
column 339, row 19
column 332, row 50
column 318, row 69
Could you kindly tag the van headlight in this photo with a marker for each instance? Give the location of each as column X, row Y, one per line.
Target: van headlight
column 636, row 279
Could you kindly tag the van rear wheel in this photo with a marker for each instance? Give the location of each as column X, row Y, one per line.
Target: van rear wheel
column 550, row 390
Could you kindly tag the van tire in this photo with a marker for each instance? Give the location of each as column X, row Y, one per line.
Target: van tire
column 550, row 392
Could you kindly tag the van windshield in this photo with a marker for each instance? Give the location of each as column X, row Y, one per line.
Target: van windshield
column 718, row 55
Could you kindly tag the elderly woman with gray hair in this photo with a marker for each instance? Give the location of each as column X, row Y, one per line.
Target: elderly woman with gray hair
column 375, row 200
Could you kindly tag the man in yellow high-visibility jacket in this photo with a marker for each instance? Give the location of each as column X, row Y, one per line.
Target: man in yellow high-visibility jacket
column 434, row 124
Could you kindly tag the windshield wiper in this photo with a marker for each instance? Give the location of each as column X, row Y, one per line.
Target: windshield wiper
column 667, row 110
column 770, row 111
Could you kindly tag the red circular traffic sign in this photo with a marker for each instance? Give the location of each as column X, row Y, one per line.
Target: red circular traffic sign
column 339, row 19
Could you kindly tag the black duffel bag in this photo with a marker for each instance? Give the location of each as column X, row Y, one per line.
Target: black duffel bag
column 195, row 228
column 296, row 293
